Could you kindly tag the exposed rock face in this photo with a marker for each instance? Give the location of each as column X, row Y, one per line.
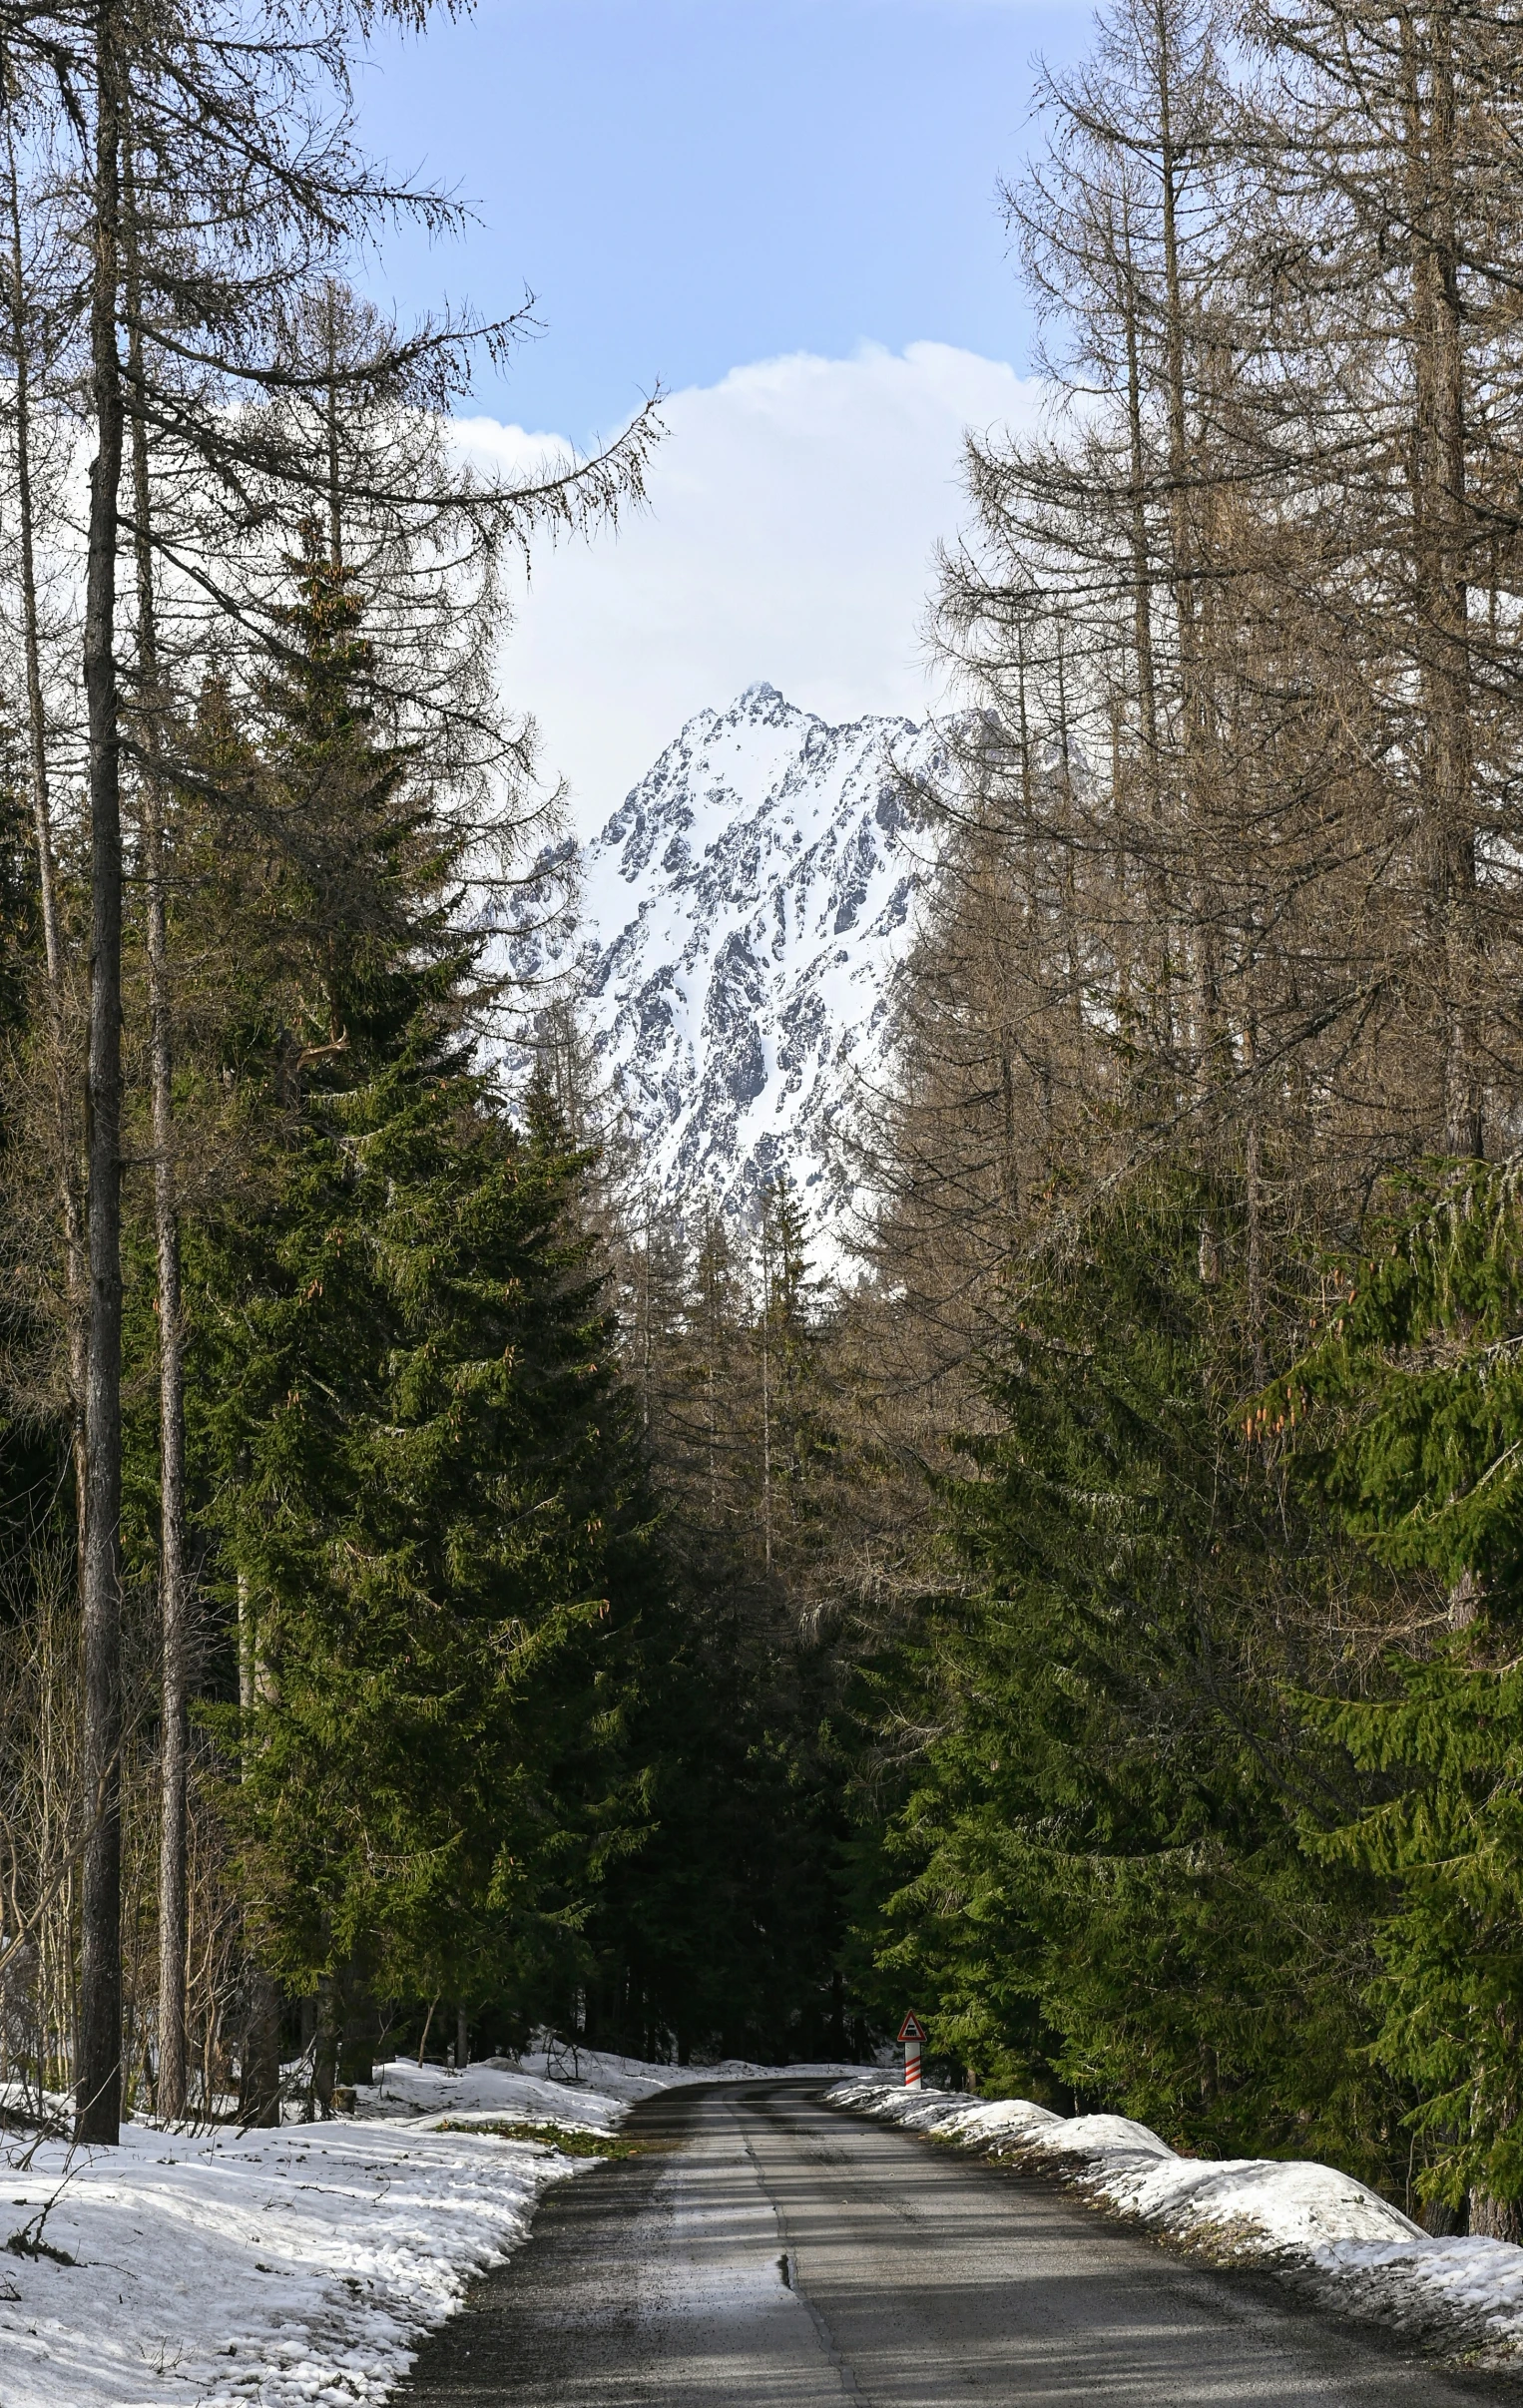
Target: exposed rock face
column 744, row 912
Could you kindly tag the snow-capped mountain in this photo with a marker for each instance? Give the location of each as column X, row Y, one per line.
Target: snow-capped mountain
column 742, row 913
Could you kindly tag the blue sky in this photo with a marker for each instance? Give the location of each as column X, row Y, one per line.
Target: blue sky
column 692, row 188
column 688, row 185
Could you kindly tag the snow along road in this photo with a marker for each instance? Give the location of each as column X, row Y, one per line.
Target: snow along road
column 769, row 2251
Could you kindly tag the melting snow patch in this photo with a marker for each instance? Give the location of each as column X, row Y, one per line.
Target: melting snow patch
column 276, row 2267
column 1357, row 2252
column 283, row 2269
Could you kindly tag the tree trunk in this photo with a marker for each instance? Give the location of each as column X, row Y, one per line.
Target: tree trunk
column 1195, row 780
column 260, row 2088
column 172, row 1601
column 766, row 1401
column 360, row 2029
column 1495, row 2219
column 1254, row 1182
column 1464, row 1601
column 99, row 2070
column 175, row 1740
column 74, row 1272
column 1142, row 637
column 326, row 2046
column 1441, row 532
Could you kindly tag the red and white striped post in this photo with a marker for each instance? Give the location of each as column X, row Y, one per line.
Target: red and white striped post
column 912, row 2037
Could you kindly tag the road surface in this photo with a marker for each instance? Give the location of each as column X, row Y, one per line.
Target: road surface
column 773, row 2253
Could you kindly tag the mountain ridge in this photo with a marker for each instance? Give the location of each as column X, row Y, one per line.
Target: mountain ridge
column 744, row 912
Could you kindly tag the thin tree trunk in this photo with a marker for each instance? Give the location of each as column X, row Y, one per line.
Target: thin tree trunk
column 1256, row 1295
column 260, row 2105
column 74, row 1267
column 645, row 1339
column 99, row 2072
column 427, row 2027
column 173, row 1600
column 1440, row 515
column 335, row 485
column 326, row 2046
column 1142, row 637
column 1010, row 1152
column 1183, row 576
column 766, row 1402
column 260, row 2088
column 360, row 2029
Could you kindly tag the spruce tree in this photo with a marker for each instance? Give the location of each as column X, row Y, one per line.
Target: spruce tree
column 1103, row 1896
column 1409, row 1416
column 424, row 1495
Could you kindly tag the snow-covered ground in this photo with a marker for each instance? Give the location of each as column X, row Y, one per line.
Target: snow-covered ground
column 1356, row 2250
column 587, row 2089
column 283, row 2269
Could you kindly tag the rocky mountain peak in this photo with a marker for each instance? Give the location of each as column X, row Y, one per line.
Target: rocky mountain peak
column 743, row 910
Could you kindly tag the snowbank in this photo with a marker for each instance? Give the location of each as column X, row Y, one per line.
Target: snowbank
column 283, row 2268
column 587, row 2089
column 1356, row 2250
column 271, row 2268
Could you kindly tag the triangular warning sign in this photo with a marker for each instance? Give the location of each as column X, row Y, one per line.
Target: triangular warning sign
column 911, row 2028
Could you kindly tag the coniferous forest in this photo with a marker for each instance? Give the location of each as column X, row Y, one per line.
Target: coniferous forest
column 443, row 1596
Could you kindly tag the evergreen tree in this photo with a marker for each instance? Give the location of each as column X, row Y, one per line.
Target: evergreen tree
column 419, row 1467
column 1409, row 1415
column 725, row 1933
column 1102, row 1896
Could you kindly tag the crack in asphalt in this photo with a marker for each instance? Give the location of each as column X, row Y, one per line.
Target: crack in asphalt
column 792, row 2282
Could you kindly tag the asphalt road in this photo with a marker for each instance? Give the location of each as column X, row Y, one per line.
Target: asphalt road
column 771, row 2252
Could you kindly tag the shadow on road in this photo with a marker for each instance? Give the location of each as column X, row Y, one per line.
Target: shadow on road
column 771, row 2252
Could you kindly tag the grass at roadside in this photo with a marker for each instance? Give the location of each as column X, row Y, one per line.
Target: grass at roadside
column 555, row 2135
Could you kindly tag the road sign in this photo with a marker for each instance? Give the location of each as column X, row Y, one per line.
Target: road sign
column 912, row 2033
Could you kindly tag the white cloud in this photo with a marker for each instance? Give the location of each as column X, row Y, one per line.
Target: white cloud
column 794, row 509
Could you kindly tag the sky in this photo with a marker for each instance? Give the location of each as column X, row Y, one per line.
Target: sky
column 785, row 215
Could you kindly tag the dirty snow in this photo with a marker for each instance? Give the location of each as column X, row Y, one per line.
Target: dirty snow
column 590, row 2090
column 1358, row 2251
column 283, row 2268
